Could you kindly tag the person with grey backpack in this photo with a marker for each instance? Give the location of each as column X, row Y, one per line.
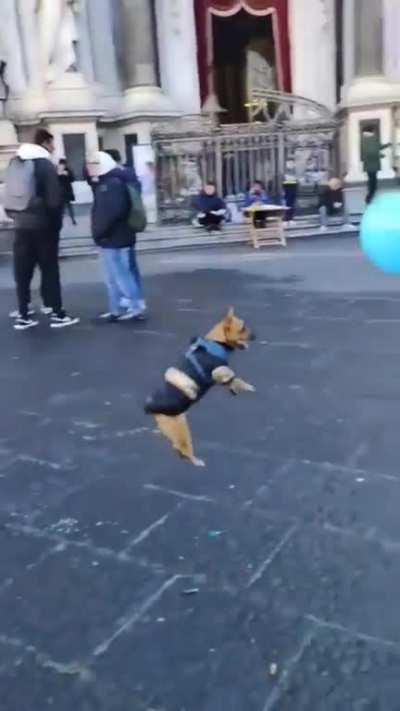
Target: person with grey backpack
column 33, row 200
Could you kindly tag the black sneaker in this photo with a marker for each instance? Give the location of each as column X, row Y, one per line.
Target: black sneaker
column 22, row 324
column 62, row 320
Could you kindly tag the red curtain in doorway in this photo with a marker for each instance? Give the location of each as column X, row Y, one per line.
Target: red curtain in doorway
column 279, row 10
column 233, row 6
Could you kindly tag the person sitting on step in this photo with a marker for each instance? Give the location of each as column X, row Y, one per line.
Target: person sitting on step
column 332, row 203
column 211, row 208
column 257, row 195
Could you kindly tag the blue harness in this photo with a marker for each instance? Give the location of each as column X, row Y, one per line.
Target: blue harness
column 217, row 350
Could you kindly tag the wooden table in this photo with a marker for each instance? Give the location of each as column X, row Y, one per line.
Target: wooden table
column 272, row 233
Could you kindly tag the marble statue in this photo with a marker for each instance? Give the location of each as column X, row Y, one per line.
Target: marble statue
column 260, row 74
column 58, row 36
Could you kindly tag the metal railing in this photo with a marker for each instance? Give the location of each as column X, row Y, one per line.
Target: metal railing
column 193, row 150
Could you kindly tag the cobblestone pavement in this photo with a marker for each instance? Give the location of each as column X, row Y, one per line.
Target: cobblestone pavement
column 288, row 541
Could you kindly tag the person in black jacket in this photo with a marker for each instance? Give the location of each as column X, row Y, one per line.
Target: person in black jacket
column 211, row 208
column 66, row 178
column 116, row 239
column 37, row 229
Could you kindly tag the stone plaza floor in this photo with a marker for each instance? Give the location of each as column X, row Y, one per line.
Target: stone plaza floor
column 269, row 581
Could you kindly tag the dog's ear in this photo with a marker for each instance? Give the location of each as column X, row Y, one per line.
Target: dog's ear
column 229, row 316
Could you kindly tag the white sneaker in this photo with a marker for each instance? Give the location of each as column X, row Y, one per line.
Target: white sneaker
column 132, row 315
column 46, row 310
column 62, row 320
column 22, row 324
column 16, row 314
column 323, row 228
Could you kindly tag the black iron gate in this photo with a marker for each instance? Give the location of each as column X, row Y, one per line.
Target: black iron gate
column 194, row 150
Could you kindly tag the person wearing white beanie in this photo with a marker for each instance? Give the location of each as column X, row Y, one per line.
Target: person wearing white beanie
column 116, row 239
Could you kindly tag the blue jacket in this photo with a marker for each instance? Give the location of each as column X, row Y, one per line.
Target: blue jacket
column 110, row 212
column 262, row 198
column 128, row 175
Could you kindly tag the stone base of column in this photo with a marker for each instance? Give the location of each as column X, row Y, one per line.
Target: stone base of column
column 70, row 93
column 8, row 134
column 8, row 147
column 365, row 91
column 148, row 101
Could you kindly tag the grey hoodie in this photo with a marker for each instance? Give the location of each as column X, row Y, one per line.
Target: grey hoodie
column 45, row 211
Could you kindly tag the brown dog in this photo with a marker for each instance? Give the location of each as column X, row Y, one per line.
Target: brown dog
column 204, row 364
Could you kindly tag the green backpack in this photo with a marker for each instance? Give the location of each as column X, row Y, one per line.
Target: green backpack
column 137, row 216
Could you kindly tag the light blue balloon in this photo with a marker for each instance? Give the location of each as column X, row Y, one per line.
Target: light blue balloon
column 380, row 232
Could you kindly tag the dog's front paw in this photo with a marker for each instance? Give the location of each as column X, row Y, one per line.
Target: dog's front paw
column 240, row 386
column 198, row 462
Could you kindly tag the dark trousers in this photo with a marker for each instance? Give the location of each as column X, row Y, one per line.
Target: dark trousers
column 209, row 220
column 68, row 207
column 372, row 186
column 31, row 248
column 290, row 193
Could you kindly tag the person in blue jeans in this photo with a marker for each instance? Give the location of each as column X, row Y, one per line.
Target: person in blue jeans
column 116, row 239
column 128, row 174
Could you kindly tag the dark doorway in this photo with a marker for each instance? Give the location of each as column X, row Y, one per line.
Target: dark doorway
column 131, row 140
column 75, row 152
column 244, row 57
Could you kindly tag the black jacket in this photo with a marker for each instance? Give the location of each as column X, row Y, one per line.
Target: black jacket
column 66, row 179
column 110, row 212
column 330, row 198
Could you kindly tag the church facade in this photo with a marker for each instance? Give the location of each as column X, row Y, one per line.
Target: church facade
column 103, row 72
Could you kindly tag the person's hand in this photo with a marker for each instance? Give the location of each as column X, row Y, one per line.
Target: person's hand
column 337, row 205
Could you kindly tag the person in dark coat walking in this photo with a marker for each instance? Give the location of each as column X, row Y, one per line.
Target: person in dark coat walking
column 371, row 148
column 116, row 239
column 66, row 178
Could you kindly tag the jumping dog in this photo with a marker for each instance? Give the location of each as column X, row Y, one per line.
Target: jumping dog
column 206, row 363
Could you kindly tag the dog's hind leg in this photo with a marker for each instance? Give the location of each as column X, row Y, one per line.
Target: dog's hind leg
column 176, row 430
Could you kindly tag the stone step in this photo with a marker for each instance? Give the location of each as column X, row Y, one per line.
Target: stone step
column 194, row 240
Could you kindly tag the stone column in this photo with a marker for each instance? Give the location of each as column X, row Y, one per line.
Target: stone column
column 391, row 34
column 102, row 14
column 177, row 44
column 138, row 41
column 139, row 59
column 85, row 51
column 313, row 50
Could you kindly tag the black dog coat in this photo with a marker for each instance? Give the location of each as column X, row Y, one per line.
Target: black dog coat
column 198, row 363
